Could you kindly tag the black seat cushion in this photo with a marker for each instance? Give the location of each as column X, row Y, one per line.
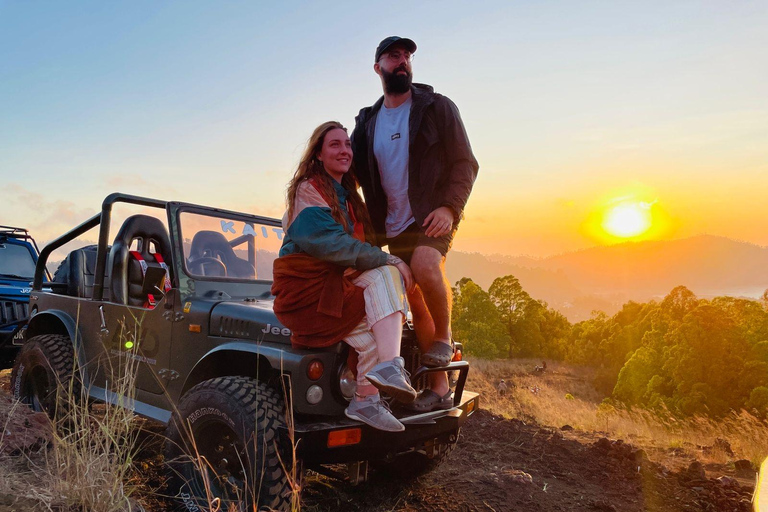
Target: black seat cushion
column 127, row 277
column 215, row 245
column 77, row 273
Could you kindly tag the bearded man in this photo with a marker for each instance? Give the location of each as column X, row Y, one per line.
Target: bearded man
column 416, row 168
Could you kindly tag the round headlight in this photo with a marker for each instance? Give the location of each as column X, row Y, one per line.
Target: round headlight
column 314, row 394
column 347, row 382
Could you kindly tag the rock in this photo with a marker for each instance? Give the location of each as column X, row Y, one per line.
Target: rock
column 566, row 428
column 603, row 444
column 695, row 471
column 743, row 467
column 24, row 430
column 516, row 475
column 727, row 481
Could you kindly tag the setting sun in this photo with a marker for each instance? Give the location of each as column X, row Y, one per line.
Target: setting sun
column 633, row 213
column 628, row 219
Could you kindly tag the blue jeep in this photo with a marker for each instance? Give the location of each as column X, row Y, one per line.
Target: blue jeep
column 18, row 258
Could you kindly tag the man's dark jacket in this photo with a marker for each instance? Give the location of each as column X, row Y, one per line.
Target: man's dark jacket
column 441, row 166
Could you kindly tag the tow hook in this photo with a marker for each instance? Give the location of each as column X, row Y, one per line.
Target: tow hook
column 357, row 472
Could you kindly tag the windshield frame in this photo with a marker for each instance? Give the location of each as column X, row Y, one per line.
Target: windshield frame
column 32, row 257
column 177, row 236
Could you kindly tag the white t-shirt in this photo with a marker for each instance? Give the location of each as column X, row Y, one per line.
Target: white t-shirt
column 390, row 146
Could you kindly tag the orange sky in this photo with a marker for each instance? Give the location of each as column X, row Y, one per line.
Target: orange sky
column 568, row 107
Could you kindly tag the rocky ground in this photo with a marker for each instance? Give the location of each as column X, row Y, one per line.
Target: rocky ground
column 499, row 465
column 508, row 465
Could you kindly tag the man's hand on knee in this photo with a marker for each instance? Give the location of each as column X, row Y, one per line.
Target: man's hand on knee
column 439, row 222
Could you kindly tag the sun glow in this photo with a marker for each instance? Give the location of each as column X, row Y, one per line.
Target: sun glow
column 630, row 214
column 627, row 220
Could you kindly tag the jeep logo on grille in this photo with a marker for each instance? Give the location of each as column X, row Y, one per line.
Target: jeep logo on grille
column 271, row 329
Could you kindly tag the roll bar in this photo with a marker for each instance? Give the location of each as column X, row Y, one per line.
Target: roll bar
column 103, row 219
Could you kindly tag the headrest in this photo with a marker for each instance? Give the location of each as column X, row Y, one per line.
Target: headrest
column 147, row 229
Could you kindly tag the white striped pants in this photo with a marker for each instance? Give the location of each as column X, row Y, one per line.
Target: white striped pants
column 384, row 295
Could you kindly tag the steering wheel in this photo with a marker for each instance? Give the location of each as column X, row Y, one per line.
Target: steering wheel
column 207, row 266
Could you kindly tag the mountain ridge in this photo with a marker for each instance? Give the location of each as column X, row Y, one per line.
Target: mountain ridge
column 605, row 277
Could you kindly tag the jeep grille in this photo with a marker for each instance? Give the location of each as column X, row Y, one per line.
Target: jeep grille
column 234, row 327
column 11, row 311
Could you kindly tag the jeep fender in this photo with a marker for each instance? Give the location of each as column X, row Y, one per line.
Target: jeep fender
column 54, row 321
column 259, row 361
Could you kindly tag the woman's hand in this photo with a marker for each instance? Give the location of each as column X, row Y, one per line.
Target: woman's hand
column 405, row 271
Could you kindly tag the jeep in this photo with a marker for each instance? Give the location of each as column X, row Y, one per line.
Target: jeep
column 189, row 304
column 18, row 258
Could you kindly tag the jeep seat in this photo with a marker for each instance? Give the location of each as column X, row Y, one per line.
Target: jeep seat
column 213, row 245
column 127, row 276
column 76, row 274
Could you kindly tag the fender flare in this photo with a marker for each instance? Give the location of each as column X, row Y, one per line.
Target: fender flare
column 54, row 321
column 276, row 358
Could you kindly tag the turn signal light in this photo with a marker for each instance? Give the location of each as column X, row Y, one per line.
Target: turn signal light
column 344, row 437
column 456, row 356
column 315, row 369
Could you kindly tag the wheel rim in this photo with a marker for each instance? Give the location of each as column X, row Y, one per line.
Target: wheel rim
column 36, row 390
column 223, row 460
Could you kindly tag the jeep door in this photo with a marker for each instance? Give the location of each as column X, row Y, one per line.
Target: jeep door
column 139, row 340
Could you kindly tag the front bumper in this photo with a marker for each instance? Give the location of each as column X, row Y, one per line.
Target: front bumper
column 311, row 438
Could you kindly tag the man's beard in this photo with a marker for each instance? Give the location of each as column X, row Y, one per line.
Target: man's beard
column 395, row 83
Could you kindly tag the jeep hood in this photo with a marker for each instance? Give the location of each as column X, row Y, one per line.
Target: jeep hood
column 18, row 290
column 248, row 320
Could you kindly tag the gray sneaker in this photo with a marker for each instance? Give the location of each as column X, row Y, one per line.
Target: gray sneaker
column 375, row 412
column 391, row 378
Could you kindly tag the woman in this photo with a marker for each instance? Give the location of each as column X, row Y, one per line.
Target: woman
column 329, row 284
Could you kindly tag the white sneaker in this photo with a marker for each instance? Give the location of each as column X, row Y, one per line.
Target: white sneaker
column 391, row 377
column 373, row 411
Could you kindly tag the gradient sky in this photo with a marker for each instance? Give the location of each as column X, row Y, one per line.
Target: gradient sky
column 568, row 105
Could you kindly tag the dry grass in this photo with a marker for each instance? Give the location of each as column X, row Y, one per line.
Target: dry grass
column 563, row 396
column 87, row 463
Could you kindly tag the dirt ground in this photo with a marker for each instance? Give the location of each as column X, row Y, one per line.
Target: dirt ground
column 509, row 465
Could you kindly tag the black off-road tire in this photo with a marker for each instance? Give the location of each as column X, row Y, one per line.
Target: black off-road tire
column 44, row 376
column 225, row 421
column 415, row 463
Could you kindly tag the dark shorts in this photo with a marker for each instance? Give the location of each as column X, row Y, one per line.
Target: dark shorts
column 406, row 242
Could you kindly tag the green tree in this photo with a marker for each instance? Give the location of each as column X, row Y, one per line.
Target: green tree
column 758, row 400
column 477, row 323
column 679, row 303
column 706, row 358
column 522, row 315
column 555, row 331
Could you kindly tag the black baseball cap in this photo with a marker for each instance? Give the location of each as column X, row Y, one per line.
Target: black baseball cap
column 386, row 43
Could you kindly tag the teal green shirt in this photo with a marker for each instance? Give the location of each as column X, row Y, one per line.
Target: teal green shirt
column 314, row 231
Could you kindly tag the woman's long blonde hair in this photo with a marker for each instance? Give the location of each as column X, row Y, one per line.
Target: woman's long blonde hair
column 310, row 167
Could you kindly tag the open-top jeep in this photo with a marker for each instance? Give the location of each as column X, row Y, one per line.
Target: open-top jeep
column 189, row 306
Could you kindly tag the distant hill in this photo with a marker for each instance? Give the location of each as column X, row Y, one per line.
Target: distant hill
column 576, row 282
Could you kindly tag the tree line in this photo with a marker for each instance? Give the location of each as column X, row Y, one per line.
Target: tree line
column 683, row 354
